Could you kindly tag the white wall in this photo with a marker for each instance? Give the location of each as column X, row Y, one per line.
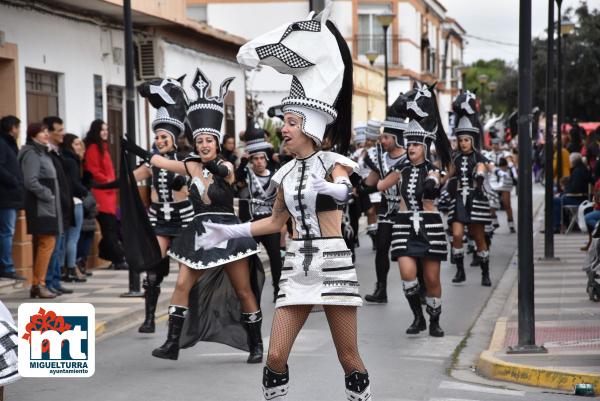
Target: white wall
column 409, row 22
column 178, row 60
column 341, row 15
column 445, row 105
column 409, row 56
column 250, row 20
column 396, row 86
column 73, row 49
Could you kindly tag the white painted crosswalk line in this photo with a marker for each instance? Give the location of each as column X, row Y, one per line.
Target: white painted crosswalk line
column 448, row 385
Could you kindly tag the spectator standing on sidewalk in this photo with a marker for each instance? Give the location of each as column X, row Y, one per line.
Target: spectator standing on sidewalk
column 13, row 193
column 42, row 204
column 576, row 190
column 99, row 164
column 56, row 133
column 72, row 164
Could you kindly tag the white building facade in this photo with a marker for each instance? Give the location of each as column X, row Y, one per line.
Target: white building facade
column 63, row 62
column 423, row 42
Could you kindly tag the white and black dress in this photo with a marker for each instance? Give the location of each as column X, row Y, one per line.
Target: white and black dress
column 212, row 202
column 417, row 233
column 469, row 205
column 214, row 308
column 317, row 269
column 167, row 217
column 383, row 164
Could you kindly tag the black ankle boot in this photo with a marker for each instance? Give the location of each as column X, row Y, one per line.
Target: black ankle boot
column 414, row 301
column 252, row 322
column 460, row 276
column 358, row 386
column 485, row 271
column 170, row 349
column 275, row 385
column 380, row 294
column 151, row 299
column 434, row 321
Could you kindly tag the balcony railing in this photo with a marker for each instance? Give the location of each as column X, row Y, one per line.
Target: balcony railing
column 375, row 43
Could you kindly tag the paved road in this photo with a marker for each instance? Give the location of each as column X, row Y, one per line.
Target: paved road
column 402, row 368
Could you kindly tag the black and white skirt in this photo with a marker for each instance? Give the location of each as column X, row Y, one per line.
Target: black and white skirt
column 419, row 234
column 475, row 211
column 167, row 219
column 188, row 250
column 318, row 271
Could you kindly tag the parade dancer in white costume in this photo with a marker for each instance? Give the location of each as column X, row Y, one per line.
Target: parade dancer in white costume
column 312, row 190
column 211, row 192
column 418, row 231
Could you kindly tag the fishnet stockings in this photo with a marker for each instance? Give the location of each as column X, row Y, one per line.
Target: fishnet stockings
column 288, row 321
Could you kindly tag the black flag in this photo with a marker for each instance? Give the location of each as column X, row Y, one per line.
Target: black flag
column 141, row 247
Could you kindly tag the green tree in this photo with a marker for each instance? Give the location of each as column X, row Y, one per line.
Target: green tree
column 504, row 99
column 581, row 65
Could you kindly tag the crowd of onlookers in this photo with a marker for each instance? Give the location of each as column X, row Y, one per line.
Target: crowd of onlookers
column 65, row 185
column 580, row 174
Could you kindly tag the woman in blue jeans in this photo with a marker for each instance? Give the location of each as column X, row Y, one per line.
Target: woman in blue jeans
column 71, row 148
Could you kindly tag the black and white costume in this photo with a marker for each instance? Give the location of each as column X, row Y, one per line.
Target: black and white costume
column 382, row 163
column 214, row 311
column 364, row 132
column 317, row 270
column 166, row 215
column 417, row 232
column 470, row 203
column 260, row 199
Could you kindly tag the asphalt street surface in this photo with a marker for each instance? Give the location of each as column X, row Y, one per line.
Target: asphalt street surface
column 401, row 367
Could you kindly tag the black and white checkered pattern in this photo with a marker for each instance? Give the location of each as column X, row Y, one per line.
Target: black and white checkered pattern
column 312, row 26
column 284, row 54
column 297, row 90
column 8, row 353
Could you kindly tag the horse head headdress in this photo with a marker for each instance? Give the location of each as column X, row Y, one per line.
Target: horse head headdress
column 467, row 118
column 314, row 52
column 425, row 126
column 168, row 97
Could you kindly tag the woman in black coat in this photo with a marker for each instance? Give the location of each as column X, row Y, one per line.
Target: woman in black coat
column 72, row 166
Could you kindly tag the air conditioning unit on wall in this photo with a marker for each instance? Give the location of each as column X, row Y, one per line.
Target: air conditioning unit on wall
column 147, row 66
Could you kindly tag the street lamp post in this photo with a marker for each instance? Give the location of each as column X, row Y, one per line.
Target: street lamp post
column 526, row 328
column 549, row 145
column 371, row 55
column 483, row 79
column 559, row 160
column 385, row 20
column 134, row 277
column 492, row 86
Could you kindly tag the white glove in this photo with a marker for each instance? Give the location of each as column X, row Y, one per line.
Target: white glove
column 217, row 235
column 337, row 191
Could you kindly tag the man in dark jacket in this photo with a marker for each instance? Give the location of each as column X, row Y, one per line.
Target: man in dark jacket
column 13, row 193
column 576, row 190
column 57, row 133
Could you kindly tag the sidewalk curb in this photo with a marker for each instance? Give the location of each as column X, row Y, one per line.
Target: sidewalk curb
column 497, row 369
column 491, row 367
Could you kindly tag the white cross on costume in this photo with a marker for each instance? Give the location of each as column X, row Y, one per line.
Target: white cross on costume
column 416, row 220
column 167, row 209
